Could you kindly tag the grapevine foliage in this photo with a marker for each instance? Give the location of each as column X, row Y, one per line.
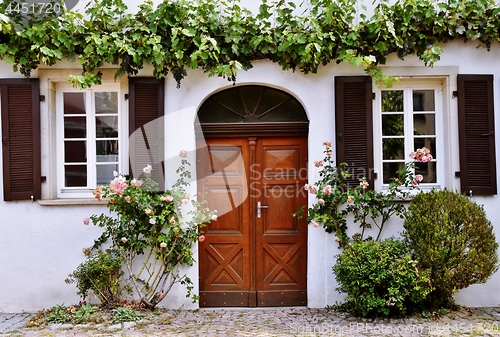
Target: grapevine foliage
column 221, row 37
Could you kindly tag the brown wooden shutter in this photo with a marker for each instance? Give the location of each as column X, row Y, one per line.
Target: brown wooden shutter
column 476, row 134
column 354, row 126
column 21, row 138
column 146, row 146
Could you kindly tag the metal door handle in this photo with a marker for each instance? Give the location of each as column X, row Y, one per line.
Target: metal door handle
column 259, row 207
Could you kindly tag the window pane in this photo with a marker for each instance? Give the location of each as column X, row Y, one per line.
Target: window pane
column 428, row 171
column 392, row 101
column 106, row 127
column 429, row 143
column 390, row 171
column 105, row 173
column 106, row 102
column 75, row 175
column 75, row 151
column 393, row 148
column 74, row 103
column 423, row 100
column 424, row 124
column 393, row 125
column 75, row 127
column 107, row 150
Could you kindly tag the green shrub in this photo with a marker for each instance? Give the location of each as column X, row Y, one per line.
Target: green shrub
column 126, row 314
column 84, row 313
column 59, row 314
column 450, row 234
column 380, row 278
column 101, row 274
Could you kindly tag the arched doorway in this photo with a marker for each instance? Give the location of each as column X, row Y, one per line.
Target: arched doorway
column 251, row 167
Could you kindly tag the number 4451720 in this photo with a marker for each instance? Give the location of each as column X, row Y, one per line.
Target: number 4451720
column 33, row 8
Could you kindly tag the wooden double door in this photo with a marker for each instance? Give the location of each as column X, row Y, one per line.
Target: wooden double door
column 255, row 254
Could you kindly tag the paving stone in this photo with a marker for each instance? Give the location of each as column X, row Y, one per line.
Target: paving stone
column 281, row 322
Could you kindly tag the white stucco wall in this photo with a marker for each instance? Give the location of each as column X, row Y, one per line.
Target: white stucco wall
column 40, row 245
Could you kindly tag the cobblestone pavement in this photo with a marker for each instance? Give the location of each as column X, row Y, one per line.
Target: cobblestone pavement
column 269, row 322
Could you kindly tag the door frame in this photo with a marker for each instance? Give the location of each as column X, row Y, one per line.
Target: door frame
column 252, row 130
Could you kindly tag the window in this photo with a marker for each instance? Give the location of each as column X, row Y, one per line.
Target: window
column 410, row 115
column 88, row 144
column 408, row 121
column 376, row 133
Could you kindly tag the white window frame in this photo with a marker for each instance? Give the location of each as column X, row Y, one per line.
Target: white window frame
column 86, row 192
column 408, row 85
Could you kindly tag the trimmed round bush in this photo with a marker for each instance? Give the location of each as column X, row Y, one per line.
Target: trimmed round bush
column 380, row 278
column 450, row 235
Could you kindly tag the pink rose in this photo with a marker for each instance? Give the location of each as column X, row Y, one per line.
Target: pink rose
column 163, row 245
column 313, row 189
column 147, row 169
column 136, row 183
column 166, row 198
column 321, row 201
column 124, row 240
column 86, row 220
column 307, row 187
column 118, row 185
column 147, row 211
column 419, row 178
column 183, row 153
column 152, row 221
column 318, row 163
column 412, row 154
column 201, row 238
column 185, row 201
column 214, row 217
column 314, row 223
column 327, row 190
column 128, row 199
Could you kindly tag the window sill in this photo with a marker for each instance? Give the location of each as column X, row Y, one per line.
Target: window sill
column 72, row 202
column 422, row 188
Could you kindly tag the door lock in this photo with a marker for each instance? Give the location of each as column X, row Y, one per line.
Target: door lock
column 259, row 207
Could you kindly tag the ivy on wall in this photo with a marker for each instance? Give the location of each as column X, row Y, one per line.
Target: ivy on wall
column 221, row 37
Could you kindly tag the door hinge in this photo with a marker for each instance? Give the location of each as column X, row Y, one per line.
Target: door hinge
column 126, row 97
column 43, row 179
column 454, row 93
column 373, row 95
column 42, row 98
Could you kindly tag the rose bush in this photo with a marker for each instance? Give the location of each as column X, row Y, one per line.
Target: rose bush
column 369, row 208
column 145, row 221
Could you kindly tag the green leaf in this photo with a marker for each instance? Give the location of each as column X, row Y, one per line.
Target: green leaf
column 189, row 32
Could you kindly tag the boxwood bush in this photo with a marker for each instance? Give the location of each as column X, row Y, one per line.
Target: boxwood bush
column 380, row 278
column 450, row 235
